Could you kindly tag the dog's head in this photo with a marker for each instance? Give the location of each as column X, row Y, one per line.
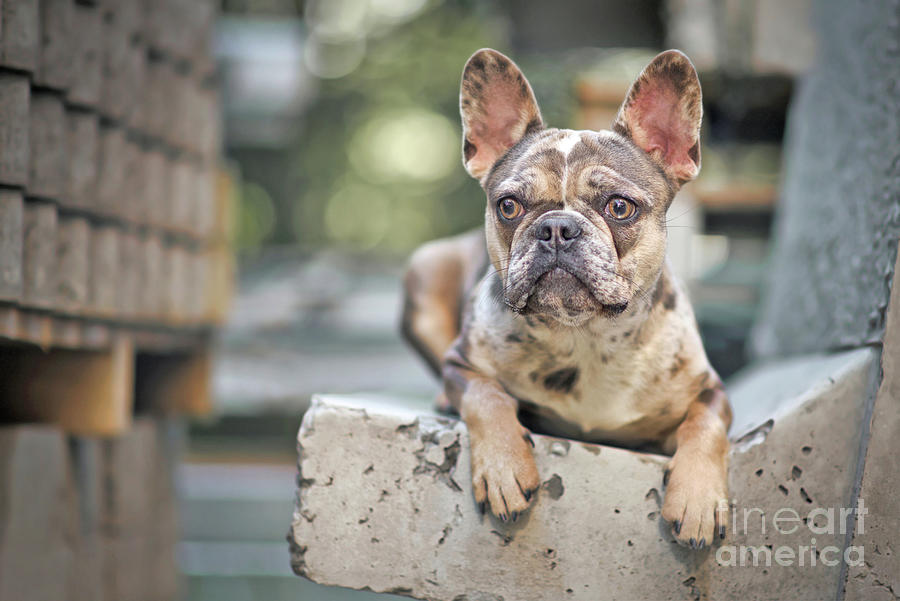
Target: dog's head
column 575, row 220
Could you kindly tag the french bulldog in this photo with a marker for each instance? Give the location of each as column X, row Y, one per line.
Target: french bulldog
column 569, row 320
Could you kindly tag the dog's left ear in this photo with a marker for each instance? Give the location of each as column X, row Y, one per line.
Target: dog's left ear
column 497, row 108
column 662, row 114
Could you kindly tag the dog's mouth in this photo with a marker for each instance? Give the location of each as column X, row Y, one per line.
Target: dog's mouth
column 561, row 292
column 558, row 278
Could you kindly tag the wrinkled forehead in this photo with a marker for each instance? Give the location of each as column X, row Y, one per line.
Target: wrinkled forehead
column 555, row 163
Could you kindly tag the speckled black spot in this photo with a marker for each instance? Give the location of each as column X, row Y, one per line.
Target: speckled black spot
column 469, row 150
column 706, row 397
column 562, row 380
column 669, row 301
column 515, row 338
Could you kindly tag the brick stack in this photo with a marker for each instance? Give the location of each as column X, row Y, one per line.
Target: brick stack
column 114, row 273
column 109, row 135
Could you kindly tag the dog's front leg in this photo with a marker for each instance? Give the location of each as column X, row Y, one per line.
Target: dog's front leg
column 504, row 474
column 696, row 479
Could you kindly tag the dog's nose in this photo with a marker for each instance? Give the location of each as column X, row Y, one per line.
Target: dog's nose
column 558, row 232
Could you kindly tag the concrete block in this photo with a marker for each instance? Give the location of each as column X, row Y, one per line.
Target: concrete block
column 123, row 59
column 104, row 270
column 138, row 78
column 137, row 183
column 209, row 124
column 48, row 165
column 87, row 56
column 129, row 274
column 197, row 285
column 139, row 520
column 14, row 126
column 157, row 187
column 83, row 133
column 188, row 138
column 11, row 226
column 86, row 570
column 183, row 197
column 177, row 285
column 19, row 37
column 129, row 479
column 384, row 502
column 205, row 208
column 153, row 281
column 57, row 44
column 126, row 14
column 111, row 170
column 224, row 184
column 155, row 20
column 39, row 250
column 36, row 514
column 132, row 182
column 155, row 104
column 180, row 30
column 195, row 33
column 73, row 258
column 177, row 125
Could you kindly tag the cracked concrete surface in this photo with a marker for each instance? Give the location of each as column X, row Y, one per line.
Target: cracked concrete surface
column 384, row 503
column 879, row 578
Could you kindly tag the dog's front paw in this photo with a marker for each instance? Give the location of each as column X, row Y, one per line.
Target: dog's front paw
column 696, row 501
column 504, row 474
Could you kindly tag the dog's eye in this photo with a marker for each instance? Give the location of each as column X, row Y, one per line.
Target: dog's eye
column 510, row 208
column 620, row 208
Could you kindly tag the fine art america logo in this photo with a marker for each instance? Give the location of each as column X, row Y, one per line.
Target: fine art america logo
column 752, row 523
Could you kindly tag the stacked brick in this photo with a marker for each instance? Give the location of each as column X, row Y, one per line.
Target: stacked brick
column 109, row 135
column 99, row 524
column 114, row 261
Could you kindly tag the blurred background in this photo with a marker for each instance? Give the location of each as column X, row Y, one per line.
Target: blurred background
column 342, row 138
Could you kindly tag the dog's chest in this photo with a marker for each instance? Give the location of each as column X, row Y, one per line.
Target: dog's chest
column 587, row 379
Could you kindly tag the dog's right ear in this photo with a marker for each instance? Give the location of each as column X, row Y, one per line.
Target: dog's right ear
column 497, row 108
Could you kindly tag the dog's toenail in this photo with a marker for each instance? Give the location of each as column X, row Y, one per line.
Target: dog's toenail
column 666, row 478
column 527, row 495
column 693, row 543
column 677, row 527
column 515, row 515
column 702, row 543
column 721, row 531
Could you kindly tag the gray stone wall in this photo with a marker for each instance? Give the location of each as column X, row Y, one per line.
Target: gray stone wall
column 836, row 234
